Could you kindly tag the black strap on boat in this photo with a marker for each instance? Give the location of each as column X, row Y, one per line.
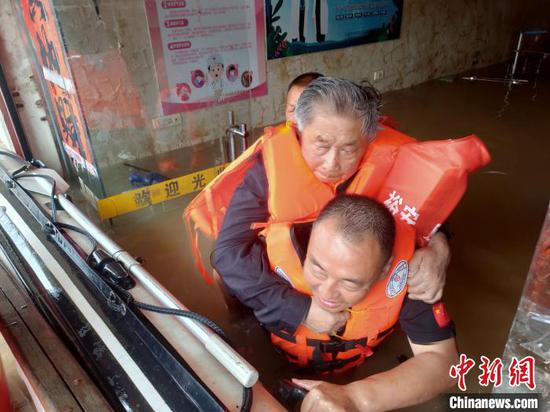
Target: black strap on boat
column 247, row 400
column 129, row 299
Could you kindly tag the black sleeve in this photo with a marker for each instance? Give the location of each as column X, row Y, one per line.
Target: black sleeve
column 240, row 257
column 445, row 228
column 425, row 323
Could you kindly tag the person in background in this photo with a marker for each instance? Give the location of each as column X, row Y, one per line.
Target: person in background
column 295, row 89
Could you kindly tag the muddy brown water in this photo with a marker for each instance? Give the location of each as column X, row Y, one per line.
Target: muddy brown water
column 495, row 227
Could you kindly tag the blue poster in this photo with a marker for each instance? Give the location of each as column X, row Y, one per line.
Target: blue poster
column 307, row 26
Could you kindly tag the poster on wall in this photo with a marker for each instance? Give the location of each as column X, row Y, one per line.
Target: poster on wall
column 41, row 24
column 207, row 52
column 307, row 26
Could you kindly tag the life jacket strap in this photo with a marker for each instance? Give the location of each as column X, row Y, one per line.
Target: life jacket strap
column 331, row 346
column 325, row 346
column 366, row 350
column 334, row 365
column 324, row 355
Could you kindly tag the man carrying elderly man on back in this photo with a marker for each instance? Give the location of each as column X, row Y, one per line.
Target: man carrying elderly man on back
column 327, row 308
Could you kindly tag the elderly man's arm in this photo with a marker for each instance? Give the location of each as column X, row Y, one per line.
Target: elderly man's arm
column 428, row 269
column 416, row 380
column 240, row 258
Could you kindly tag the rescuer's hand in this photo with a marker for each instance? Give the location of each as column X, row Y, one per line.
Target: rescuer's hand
column 324, row 396
column 322, row 321
column 428, row 269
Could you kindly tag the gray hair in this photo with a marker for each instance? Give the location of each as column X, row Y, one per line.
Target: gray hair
column 340, row 96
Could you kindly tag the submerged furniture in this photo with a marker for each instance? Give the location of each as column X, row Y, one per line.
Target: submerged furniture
column 530, row 43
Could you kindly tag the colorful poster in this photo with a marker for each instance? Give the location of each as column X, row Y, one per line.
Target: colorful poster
column 307, row 26
column 40, row 21
column 207, row 52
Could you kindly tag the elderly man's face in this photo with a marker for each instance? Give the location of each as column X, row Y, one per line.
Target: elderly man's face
column 339, row 273
column 332, row 146
column 291, row 99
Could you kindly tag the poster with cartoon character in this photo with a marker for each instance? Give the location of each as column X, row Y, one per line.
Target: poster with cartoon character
column 207, row 52
column 215, row 72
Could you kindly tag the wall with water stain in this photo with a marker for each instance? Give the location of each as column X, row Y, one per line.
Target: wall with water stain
column 110, row 53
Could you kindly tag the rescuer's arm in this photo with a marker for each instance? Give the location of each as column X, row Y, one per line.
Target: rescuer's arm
column 240, row 258
column 431, row 335
column 416, row 380
column 428, row 270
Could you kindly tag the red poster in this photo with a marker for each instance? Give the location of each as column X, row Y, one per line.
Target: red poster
column 41, row 24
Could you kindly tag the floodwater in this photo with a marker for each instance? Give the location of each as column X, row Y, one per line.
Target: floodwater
column 495, row 227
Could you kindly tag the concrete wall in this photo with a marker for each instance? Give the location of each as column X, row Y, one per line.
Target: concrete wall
column 112, row 63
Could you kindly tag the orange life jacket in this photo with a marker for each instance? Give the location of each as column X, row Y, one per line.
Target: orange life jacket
column 206, row 211
column 371, row 320
column 419, row 182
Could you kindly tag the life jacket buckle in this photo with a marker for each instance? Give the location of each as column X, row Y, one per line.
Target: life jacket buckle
column 338, row 346
column 331, row 347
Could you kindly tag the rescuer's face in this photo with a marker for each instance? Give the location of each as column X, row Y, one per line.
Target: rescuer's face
column 332, row 146
column 338, row 273
column 291, row 99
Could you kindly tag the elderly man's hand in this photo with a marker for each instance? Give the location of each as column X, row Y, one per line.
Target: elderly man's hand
column 428, row 269
column 322, row 321
column 324, row 396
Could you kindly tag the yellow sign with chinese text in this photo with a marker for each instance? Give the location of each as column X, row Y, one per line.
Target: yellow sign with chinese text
column 143, row 197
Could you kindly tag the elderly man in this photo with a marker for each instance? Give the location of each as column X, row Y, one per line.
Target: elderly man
column 348, row 266
column 328, row 151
